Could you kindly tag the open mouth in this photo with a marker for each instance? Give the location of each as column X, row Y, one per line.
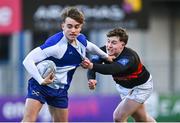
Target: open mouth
column 73, row 35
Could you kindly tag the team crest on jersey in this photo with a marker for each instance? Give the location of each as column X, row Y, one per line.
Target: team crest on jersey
column 123, row 61
column 95, row 57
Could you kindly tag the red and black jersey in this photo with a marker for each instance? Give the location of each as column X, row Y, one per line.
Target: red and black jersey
column 126, row 70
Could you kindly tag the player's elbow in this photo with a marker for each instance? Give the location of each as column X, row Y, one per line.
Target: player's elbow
column 25, row 61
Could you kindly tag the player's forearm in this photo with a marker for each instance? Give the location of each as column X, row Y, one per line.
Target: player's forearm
column 91, row 74
column 32, row 70
column 33, row 57
column 107, row 69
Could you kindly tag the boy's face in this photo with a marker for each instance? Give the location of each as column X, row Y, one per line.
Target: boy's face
column 71, row 29
column 114, row 46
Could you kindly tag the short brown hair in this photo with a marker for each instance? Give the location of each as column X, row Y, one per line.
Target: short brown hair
column 119, row 32
column 73, row 13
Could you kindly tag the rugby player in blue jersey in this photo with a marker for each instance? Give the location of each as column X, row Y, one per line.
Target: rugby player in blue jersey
column 66, row 49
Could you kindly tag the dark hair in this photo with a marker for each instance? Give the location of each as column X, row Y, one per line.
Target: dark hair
column 73, row 13
column 119, row 32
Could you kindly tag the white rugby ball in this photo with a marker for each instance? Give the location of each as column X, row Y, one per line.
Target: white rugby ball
column 46, row 67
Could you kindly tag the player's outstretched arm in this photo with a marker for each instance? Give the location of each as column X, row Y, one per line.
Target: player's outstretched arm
column 93, row 49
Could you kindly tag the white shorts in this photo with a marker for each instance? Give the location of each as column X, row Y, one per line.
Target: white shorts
column 138, row 93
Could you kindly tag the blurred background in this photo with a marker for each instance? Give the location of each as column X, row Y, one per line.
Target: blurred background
column 154, row 32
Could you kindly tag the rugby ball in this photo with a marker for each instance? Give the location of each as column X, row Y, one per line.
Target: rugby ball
column 46, row 67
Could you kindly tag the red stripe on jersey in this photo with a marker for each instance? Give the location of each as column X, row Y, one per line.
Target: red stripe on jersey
column 136, row 73
column 131, row 76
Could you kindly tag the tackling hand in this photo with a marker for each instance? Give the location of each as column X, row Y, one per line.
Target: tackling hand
column 87, row 64
column 110, row 58
column 92, row 84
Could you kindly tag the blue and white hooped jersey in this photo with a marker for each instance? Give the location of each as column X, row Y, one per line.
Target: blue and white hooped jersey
column 66, row 57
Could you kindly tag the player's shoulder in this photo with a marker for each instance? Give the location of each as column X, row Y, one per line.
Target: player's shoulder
column 128, row 55
column 82, row 38
column 55, row 38
column 52, row 40
column 130, row 51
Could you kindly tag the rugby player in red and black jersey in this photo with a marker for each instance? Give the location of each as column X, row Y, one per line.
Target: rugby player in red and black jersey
column 133, row 81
